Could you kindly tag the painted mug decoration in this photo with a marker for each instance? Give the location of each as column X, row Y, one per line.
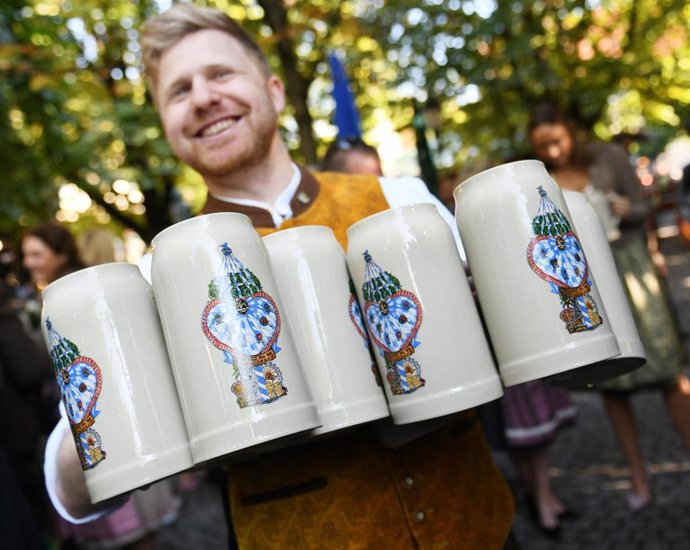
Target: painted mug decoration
column 556, row 256
column 243, row 322
column 393, row 317
column 358, row 321
column 80, row 382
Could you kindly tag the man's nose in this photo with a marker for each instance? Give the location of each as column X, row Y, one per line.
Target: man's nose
column 203, row 95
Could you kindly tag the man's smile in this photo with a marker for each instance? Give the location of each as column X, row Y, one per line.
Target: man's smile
column 216, row 127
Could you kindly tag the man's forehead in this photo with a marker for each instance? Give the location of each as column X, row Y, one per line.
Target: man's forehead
column 199, row 49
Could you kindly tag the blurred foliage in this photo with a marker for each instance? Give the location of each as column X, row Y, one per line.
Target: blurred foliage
column 73, row 110
column 74, row 107
column 488, row 62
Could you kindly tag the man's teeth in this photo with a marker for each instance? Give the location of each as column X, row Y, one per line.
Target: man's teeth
column 217, row 127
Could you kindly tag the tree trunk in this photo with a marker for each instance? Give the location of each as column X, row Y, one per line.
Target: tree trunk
column 296, row 85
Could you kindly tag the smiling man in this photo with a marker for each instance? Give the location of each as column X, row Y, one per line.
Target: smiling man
column 423, row 486
column 221, row 116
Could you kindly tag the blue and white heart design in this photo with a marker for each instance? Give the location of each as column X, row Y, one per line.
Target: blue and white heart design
column 80, row 383
column 356, row 317
column 249, row 330
column 559, row 260
column 393, row 322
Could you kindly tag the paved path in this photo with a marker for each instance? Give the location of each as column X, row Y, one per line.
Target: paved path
column 589, row 473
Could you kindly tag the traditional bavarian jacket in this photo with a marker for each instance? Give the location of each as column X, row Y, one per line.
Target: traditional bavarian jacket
column 350, row 490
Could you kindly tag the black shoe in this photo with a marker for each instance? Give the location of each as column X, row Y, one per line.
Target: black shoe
column 554, row 532
column 569, row 513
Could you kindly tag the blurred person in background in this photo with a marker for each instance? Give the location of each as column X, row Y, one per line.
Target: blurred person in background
column 352, row 156
column 602, row 171
column 684, row 199
column 533, row 413
column 49, row 251
column 96, row 246
column 24, row 368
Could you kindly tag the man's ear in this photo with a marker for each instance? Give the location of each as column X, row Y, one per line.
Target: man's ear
column 276, row 89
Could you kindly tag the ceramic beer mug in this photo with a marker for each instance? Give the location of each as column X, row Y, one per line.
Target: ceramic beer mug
column 542, row 308
column 235, row 364
column 418, row 308
column 594, row 238
column 106, row 344
column 310, row 268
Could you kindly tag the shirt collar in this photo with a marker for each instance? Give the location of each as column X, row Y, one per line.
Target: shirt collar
column 281, row 210
column 295, row 199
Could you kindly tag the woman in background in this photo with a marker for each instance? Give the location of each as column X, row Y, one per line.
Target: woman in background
column 602, row 171
column 49, row 252
column 532, row 415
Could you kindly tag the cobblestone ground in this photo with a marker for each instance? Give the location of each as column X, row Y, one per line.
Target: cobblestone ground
column 589, row 472
column 201, row 525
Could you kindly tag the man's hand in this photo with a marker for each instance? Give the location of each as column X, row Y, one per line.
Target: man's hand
column 66, row 482
column 71, row 484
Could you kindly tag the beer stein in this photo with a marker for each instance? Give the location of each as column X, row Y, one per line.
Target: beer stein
column 420, row 314
column 105, row 341
column 235, row 364
column 594, row 238
column 310, row 269
column 542, row 308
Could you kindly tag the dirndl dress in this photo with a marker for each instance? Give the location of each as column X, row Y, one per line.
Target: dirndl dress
column 145, row 512
column 533, row 412
column 654, row 319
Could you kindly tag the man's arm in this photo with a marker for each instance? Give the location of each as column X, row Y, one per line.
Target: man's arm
column 70, row 485
column 65, row 479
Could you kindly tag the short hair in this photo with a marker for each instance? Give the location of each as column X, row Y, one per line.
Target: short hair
column 335, row 159
column 162, row 32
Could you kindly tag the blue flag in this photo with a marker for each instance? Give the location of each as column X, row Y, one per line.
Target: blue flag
column 346, row 113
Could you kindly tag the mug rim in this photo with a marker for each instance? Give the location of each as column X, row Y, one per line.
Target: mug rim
column 284, row 233
column 392, row 212
column 499, row 168
column 197, row 219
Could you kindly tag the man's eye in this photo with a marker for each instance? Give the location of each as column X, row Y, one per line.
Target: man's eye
column 179, row 91
column 221, row 74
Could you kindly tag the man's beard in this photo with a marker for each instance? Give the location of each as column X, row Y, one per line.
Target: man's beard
column 219, row 166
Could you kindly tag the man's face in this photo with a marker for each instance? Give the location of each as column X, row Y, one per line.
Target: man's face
column 552, row 143
column 218, row 108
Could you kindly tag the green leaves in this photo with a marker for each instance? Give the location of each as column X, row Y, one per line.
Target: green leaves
column 74, row 107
